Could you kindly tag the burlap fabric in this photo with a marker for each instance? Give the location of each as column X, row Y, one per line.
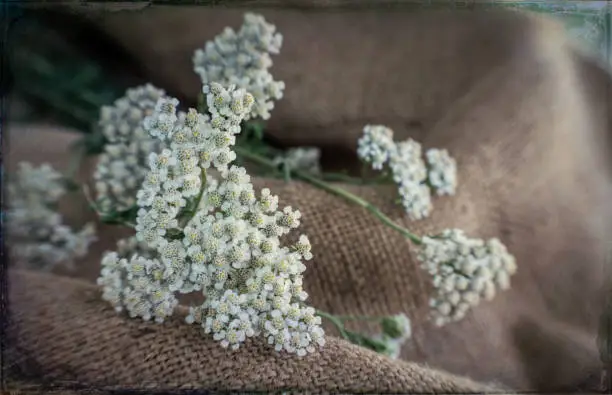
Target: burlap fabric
column 62, row 332
column 524, row 115
column 341, row 67
column 82, row 340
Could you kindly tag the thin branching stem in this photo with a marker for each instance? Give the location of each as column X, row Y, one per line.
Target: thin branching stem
column 335, row 321
column 336, row 191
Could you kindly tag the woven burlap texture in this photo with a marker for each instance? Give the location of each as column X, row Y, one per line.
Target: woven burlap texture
column 80, row 339
column 529, row 131
column 341, row 68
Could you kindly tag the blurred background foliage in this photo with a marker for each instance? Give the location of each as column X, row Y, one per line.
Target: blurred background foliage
column 60, row 69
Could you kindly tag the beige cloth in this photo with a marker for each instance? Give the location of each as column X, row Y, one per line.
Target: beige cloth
column 80, row 339
column 522, row 112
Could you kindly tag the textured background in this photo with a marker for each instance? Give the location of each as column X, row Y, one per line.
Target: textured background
column 525, row 114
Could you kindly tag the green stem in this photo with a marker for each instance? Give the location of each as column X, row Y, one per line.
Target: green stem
column 357, row 318
column 337, row 323
column 202, row 188
column 198, row 199
column 360, row 202
column 342, row 177
column 201, row 105
column 287, row 173
column 94, row 142
column 354, row 337
column 75, row 160
column 113, row 221
column 187, row 215
column 104, row 218
column 326, row 176
column 175, row 234
column 336, row 191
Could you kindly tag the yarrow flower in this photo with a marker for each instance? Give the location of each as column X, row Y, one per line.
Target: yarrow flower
column 376, row 145
column 35, row 229
column 213, row 235
column 396, row 330
column 301, row 158
column 442, row 171
column 397, row 326
column 388, row 346
column 123, row 164
column 415, row 178
column 243, row 59
column 122, row 122
column 465, row 271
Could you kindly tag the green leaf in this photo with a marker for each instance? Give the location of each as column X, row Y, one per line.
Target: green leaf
column 380, row 346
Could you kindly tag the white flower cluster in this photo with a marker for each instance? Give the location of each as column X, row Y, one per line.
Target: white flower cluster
column 376, row 145
column 123, row 164
column 213, row 235
column 465, row 271
column 306, row 159
column 404, row 159
column 136, row 284
column 243, row 59
column 396, row 330
column 442, row 171
column 118, row 282
column 36, row 233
